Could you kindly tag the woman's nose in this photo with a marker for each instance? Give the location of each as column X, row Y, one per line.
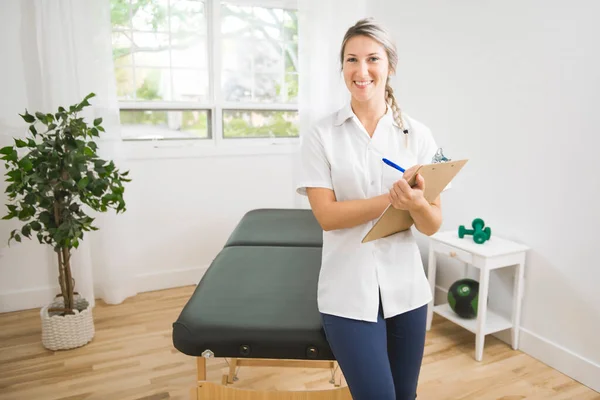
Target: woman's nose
column 363, row 68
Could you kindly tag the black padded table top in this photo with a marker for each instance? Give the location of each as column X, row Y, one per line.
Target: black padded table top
column 277, row 227
column 256, row 302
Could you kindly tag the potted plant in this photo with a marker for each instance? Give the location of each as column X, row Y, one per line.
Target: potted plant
column 54, row 178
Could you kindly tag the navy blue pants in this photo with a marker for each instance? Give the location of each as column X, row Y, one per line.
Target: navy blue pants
column 379, row 360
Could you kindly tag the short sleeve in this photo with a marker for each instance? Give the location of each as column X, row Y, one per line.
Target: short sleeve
column 314, row 167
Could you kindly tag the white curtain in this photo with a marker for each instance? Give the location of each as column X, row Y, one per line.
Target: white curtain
column 321, row 26
column 66, row 53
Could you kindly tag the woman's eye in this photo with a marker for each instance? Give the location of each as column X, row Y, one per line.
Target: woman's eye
column 374, row 59
column 351, row 59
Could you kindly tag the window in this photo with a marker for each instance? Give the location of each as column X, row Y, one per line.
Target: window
column 211, row 69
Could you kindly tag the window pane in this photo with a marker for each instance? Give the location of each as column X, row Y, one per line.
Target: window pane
column 152, row 49
column 236, row 86
column 122, row 48
column 163, row 124
column 290, row 26
column 164, row 43
column 188, row 16
column 235, row 22
column 150, row 15
column 124, row 78
column 190, row 85
column 253, row 124
column 243, row 87
column 152, row 84
column 267, row 89
column 291, row 87
column 189, row 50
column 251, row 55
column 291, row 57
column 119, row 14
column 259, row 45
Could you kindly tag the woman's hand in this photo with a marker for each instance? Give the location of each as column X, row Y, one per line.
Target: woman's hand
column 403, row 197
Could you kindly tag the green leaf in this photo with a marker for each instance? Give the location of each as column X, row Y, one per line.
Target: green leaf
column 33, row 130
column 17, row 237
column 30, row 199
column 24, row 215
column 27, row 117
column 26, row 164
column 26, row 231
column 89, row 152
column 36, row 226
column 20, row 143
column 14, row 175
column 6, row 150
column 45, row 218
column 83, row 182
column 97, row 121
column 12, row 157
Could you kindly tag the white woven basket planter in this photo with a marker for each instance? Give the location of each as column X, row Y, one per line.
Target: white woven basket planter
column 69, row 331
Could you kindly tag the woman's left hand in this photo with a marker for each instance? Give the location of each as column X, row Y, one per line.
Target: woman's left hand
column 404, row 197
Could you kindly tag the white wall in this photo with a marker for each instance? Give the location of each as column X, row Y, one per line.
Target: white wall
column 514, row 86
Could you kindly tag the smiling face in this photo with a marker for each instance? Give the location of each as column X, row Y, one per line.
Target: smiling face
column 366, row 69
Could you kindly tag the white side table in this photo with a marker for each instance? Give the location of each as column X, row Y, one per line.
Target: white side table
column 492, row 254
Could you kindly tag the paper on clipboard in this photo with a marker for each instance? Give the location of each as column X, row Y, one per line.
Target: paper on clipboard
column 437, row 176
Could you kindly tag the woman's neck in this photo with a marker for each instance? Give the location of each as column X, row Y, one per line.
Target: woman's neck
column 369, row 113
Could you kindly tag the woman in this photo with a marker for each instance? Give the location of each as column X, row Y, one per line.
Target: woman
column 372, row 296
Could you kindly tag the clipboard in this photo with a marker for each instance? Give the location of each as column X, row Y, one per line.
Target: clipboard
column 437, row 176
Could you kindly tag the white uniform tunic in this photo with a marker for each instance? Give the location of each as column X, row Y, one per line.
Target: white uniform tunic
column 338, row 154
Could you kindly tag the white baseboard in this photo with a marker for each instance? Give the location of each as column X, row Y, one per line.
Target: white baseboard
column 169, row 279
column 564, row 360
column 553, row 355
column 27, row 299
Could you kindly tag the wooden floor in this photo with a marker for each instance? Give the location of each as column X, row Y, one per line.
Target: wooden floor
column 132, row 358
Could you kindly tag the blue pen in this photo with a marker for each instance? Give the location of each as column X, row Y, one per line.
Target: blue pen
column 391, row 164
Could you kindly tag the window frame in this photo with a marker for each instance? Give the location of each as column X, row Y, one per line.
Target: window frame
column 215, row 106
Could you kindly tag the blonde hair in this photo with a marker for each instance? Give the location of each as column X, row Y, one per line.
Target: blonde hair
column 368, row 27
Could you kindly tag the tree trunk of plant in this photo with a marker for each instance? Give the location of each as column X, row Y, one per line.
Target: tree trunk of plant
column 65, row 278
column 65, row 281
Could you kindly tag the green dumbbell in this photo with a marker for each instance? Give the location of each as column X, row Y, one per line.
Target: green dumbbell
column 480, row 234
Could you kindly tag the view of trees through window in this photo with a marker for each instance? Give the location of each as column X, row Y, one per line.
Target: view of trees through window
column 163, row 69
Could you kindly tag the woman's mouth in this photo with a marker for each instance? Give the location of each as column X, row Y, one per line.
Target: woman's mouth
column 362, row 84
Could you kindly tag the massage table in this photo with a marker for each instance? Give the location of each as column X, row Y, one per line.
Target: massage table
column 257, row 305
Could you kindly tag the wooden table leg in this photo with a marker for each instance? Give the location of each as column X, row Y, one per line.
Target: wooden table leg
column 232, row 366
